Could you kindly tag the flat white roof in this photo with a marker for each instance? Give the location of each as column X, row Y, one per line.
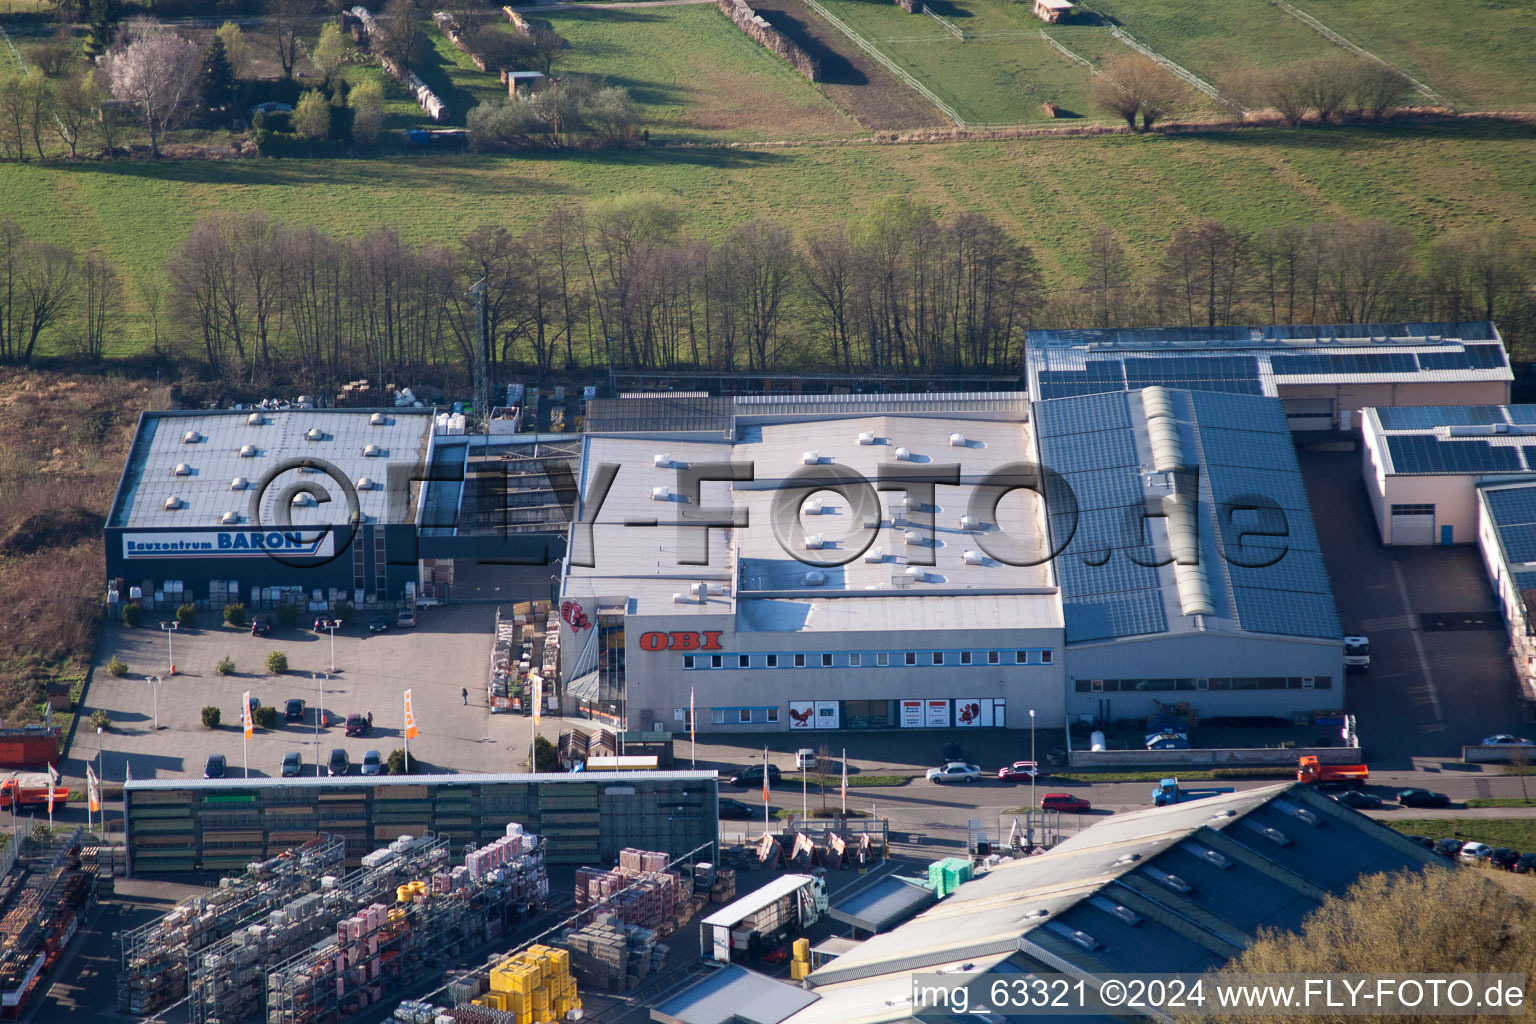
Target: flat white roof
column 752, row 902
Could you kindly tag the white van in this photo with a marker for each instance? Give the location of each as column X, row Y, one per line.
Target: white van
column 1474, row 853
column 805, row 759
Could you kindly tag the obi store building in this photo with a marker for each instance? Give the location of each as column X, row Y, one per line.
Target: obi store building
column 889, row 606
column 257, row 507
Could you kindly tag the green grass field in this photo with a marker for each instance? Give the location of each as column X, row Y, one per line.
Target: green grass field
column 1050, row 191
column 696, row 76
column 1517, row 833
column 1477, row 52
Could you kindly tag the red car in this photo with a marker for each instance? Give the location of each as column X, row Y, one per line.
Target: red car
column 777, row 955
column 1019, row 771
column 1064, row 802
column 357, row 725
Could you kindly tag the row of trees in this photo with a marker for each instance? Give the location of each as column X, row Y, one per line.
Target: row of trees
column 1338, row 87
column 1325, row 272
column 576, row 112
column 47, row 288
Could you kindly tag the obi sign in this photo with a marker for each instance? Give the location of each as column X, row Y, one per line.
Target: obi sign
column 229, row 543
column 682, row 641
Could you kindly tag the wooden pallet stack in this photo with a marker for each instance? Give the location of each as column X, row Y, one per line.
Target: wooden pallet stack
column 613, row 956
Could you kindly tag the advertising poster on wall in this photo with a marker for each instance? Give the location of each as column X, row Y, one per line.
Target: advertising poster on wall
column 911, row 714
column 936, row 714
column 973, row 712
column 827, row 714
column 802, row 714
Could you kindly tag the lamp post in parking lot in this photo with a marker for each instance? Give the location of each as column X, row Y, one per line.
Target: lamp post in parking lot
column 1035, row 770
column 170, row 647
column 154, row 682
column 331, row 625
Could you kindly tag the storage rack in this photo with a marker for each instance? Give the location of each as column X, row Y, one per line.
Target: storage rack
column 46, row 905
column 155, row 957
column 384, row 948
column 227, row 982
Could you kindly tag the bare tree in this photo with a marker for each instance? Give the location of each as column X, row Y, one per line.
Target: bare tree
column 100, row 291
column 1108, row 277
column 158, row 74
column 829, row 266
column 47, row 284
column 285, row 20
column 1285, row 261
column 13, row 242
column 402, row 29
column 1375, row 90
column 1109, row 95
column 1132, row 86
column 77, row 103
column 764, row 262
column 1326, row 84
column 1365, row 265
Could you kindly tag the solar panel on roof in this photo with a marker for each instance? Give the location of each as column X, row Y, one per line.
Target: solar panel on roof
column 1104, row 488
column 1107, row 448
column 1487, row 357
column 1297, row 570
column 1286, row 612
column 1098, row 412
column 1524, row 580
column 1519, row 542
column 1226, row 447
column 1510, row 505
column 1235, row 483
column 1105, row 616
column 1428, row 416
column 1117, row 574
column 1242, row 413
column 1423, row 453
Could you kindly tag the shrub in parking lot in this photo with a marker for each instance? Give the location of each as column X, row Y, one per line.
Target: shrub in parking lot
column 226, row 666
column 100, row 719
column 234, row 614
column 545, row 757
column 211, row 717
column 265, row 718
column 132, row 615
column 395, row 762
column 186, row 614
column 277, row 662
column 344, row 612
column 287, row 613
column 117, row 666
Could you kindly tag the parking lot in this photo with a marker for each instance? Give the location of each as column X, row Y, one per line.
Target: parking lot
column 447, row 651
column 1428, row 691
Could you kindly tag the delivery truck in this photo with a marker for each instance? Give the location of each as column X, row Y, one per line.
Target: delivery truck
column 1309, row 770
column 785, row 906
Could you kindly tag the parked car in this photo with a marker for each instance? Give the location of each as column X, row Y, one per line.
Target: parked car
column 1448, row 848
column 372, row 763
column 1423, row 798
column 735, row 809
column 1504, row 857
column 293, row 710
column 1472, row 853
column 953, row 752
column 261, row 625
column 378, row 624
column 1424, row 841
column 1064, row 802
column 1504, row 739
column 753, row 776
column 293, row 764
column 214, row 767
column 323, row 624
column 255, row 703
column 406, row 619
column 339, row 763
column 357, row 725
column 954, row 771
column 1358, row 800
column 805, row 759
column 1525, row 865
column 1019, row 771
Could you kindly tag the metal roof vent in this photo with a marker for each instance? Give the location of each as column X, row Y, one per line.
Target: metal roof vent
column 229, row 518
column 661, row 494
column 314, row 434
column 811, row 458
column 303, row 499
column 867, row 437
column 1083, row 939
column 1173, row 882
column 1130, row 858
column 255, row 419
column 378, row 419
column 678, row 597
column 365, row 483
column 1184, row 543
column 916, row 572
column 815, row 541
column 662, row 461
column 1222, row 815
column 874, row 554
column 239, row 483
column 172, row 503
column 247, row 451
column 957, row 441
column 191, row 437
column 970, row 524
column 1162, row 429
column 903, row 454
column 815, row 578
column 975, row 558
column 699, row 590
column 915, row 538
column 182, row 469
column 1274, row 835
column 1126, row 914
column 1211, row 855
column 372, row 451
column 814, row 507
column 356, row 518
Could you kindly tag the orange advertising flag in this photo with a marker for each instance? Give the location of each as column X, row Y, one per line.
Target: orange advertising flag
column 410, row 718
column 245, row 715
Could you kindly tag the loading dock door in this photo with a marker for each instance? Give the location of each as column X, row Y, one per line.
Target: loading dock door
column 1413, row 524
column 1309, row 413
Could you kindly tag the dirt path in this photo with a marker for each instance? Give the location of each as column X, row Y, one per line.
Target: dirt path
column 849, row 78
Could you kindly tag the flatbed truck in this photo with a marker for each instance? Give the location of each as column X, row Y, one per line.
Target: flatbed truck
column 1310, row 771
column 29, row 790
column 1168, row 792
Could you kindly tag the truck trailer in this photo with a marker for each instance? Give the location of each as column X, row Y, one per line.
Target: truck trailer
column 786, row 905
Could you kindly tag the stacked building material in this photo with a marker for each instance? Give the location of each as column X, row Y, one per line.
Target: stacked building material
column 613, row 956
column 54, row 890
column 723, row 888
column 156, row 957
column 535, row 985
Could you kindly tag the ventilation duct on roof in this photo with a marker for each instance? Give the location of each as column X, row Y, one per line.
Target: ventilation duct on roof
column 247, row 451
column 663, row 461
column 182, row 469
column 811, row 459
column 814, row 507
column 172, row 503
column 1184, row 544
column 815, row 542
column 874, row 554
column 372, row 451
column 191, row 437
column 378, row 419
column 815, row 578
column 867, row 437
column 254, row 420
column 1162, row 429
column 365, row 483
column 969, row 524
column 957, row 441
column 903, row 454
column 229, row 518
column 239, row 483
column 303, row 499
column 314, row 434
column 975, row 558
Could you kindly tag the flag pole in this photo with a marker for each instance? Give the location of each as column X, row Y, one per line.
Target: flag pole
column 692, row 733
column 765, row 790
column 845, row 782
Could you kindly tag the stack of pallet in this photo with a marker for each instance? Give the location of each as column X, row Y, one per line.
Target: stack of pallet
column 613, row 956
column 723, row 889
column 535, row 985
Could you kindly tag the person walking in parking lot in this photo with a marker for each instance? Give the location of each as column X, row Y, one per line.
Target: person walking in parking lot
column 465, row 694
column 370, row 719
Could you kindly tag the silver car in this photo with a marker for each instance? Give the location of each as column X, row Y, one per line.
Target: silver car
column 372, row 765
column 954, row 771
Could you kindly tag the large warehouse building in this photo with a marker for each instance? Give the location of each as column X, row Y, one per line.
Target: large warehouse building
column 810, row 579
column 1324, row 374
